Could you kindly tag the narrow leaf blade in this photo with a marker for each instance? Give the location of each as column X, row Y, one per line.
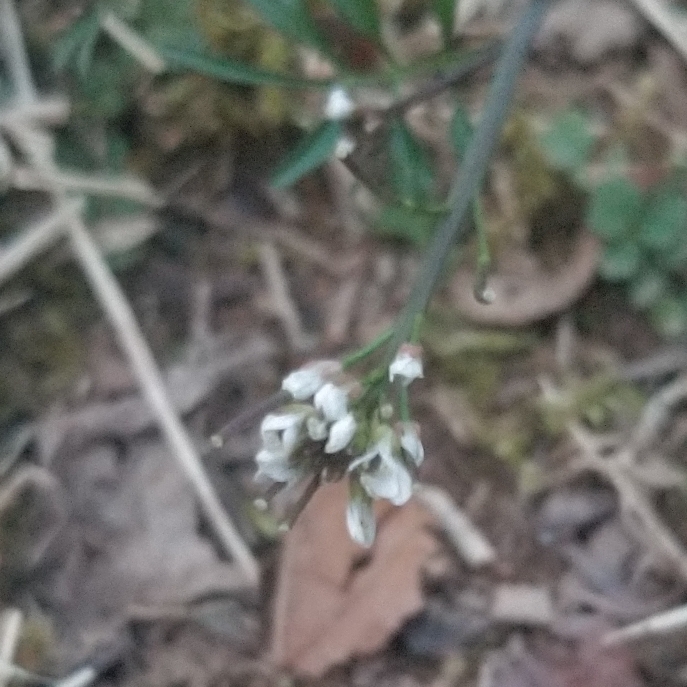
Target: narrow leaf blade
column 460, row 131
column 362, row 15
column 412, row 173
column 312, row 151
column 292, row 18
column 446, row 13
column 234, row 71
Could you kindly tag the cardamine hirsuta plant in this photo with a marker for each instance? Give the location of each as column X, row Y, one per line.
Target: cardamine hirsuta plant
column 334, row 424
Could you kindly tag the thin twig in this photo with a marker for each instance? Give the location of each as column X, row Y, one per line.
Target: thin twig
column 669, row 22
column 134, row 44
column 120, row 313
column 471, row 544
column 674, row 620
column 131, row 188
column 34, row 240
column 282, row 302
column 48, row 111
column 11, row 631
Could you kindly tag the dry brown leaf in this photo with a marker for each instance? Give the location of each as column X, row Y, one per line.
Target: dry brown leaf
column 528, row 293
column 332, row 603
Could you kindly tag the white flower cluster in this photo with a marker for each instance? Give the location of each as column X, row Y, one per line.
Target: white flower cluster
column 326, row 419
column 321, row 413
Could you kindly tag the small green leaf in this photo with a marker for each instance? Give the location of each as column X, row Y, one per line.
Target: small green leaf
column 614, row 209
column 400, row 222
column 411, row 173
column 233, row 71
column 568, row 143
column 665, row 221
column 79, row 39
column 647, row 288
column 362, row 15
column 460, row 131
column 620, row 261
column 312, row 151
column 446, row 13
column 669, row 317
column 292, row 18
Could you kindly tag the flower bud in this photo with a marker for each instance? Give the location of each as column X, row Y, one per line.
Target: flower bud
column 407, row 364
column 340, row 434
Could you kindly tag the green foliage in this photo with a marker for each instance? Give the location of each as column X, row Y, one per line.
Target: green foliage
column 292, row 18
column 362, row 15
column 412, row 174
column 234, row 71
column 644, row 230
column 77, row 44
column 664, row 221
column 446, row 12
column 569, row 142
column 614, row 209
column 312, row 151
column 460, row 130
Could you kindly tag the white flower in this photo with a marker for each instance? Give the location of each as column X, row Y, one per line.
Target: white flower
column 306, row 381
column 317, row 428
column 275, row 466
column 389, row 479
column 332, row 402
column 280, row 432
column 360, row 517
column 339, row 104
column 303, row 383
column 407, row 364
column 340, row 434
column 344, row 147
column 411, row 444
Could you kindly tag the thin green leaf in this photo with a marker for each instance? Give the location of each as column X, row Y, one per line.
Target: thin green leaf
column 412, row 174
column 568, row 143
column 460, row 131
column 233, row 71
column 400, row 222
column 446, row 13
column 615, row 208
column 665, row 221
column 87, row 50
column 312, row 151
column 362, row 15
column 82, row 34
column 291, row 17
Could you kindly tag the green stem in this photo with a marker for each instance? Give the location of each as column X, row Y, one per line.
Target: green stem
column 480, row 289
column 473, row 169
column 362, row 353
column 404, row 403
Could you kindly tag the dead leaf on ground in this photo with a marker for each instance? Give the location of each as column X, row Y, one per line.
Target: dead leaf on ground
column 332, row 602
column 524, row 291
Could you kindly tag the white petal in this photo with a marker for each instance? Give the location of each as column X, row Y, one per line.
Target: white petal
column 344, row 147
column 339, row 104
column 303, row 383
column 407, row 364
column 280, row 431
column 340, row 434
column 389, row 481
column 411, row 444
column 360, row 518
column 275, row 466
column 332, row 402
column 317, row 428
